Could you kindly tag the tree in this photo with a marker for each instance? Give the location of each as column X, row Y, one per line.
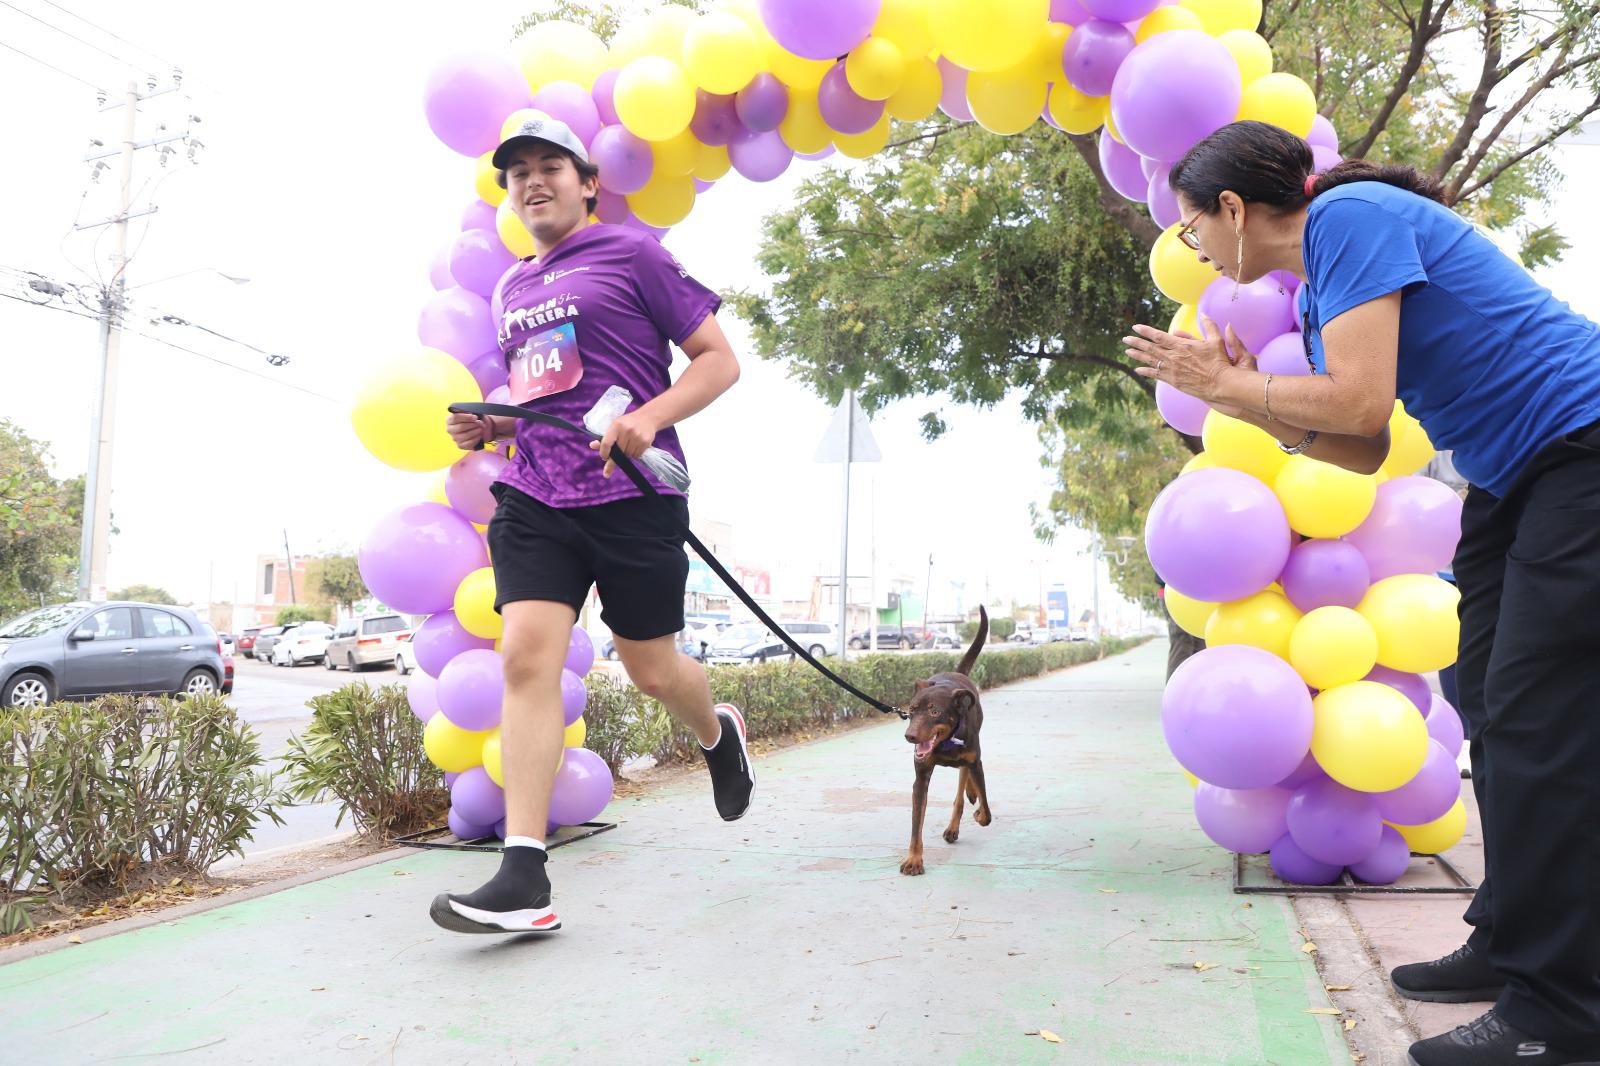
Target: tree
column 144, row 594
column 336, row 579
column 41, row 522
column 301, row 612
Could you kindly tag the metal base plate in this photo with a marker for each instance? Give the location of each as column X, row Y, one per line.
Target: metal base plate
column 439, row 838
column 1346, row 885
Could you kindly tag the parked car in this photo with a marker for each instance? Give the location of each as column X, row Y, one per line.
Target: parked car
column 699, row 634
column 247, row 640
column 946, row 638
column 229, row 646
column 303, row 644
column 267, row 638
column 225, row 649
column 818, row 638
column 405, row 656
column 362, row 642
column 747, row 643
column 892, row 637
column 74, row 650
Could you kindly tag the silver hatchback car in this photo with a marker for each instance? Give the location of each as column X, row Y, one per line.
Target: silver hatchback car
column 76, row 650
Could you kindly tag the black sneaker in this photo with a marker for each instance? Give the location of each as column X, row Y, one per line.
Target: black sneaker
column 733, row 779
column 1492, row 1041
column 448, row 912
column 1463, row 976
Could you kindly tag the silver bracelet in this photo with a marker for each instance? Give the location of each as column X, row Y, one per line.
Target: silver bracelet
column 1305, row 442
column 1266, row 397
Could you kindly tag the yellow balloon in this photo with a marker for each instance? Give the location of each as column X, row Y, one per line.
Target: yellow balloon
column 905, row 22
column 721, row 53
column 920, row 88
column 987, row 34
column 1251, row 51
column 1111, row 123
column 864, row 145
column 803, row 128
column 665, row 201
column 1323, row 500
column 1076, row 112
column 677, row 155
column 1415, row 618
column 1368, row 736
column 1282, row 100
column 654, row 98
column 1047, row 54
column 1441, row 834
column 1220, row 16
column 1265, row 620
column 559, row 51
column 1333, row 646
column 1242, row 446
column 795, row 72
column 486, row 181
column 1164, row 19
column 474, row 604
column 1198, row 462
column 513, row 234
column 875, row 68
column 400, row 412
column 451, row 748
column 1187, row 320
column 1194, row 782
column 1177, row 269
column 1007, row 101
column 1190, row 614
column 1409, row 447
column 492, row 761
column 711, row 162
column 658, row 34
column 576, row 734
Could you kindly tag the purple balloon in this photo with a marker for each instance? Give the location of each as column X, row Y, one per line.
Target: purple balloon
column 1237, row 716
column 466, row 484
column 1412, row 686
column 1092, row 56
column 1325, row 573
column 582, row 788
column 478, row 215
column 604, row 96
column 489, row 371
column 953, row 96
column 760, row 156
column 468, row 96
column 476, row 799
column 1120, row 10
column 463, row 829
column 1183, row 412
column 1322, row 133
column 763, row 104
column 1069, row 11
column 612, row 207
column 1257, row 311
column 1323, row 159
column 500, row 829
column 1334, row 824
column 1148, row 167
column 1413, row 528
column 478, row 259
column 626, row 161
column 500, row 395
column 1427, row 796
column 816, row 157
column 1284, row 356
column 701, row 185
column 819, row 31
column 635, row 222
column 450, row 777
column 842, row 108
column 1308, row 771
column 415, row 556
column 716, row 118
column 1445, row 726
column 570, row 103
column 441, row 638
column 471, row 689
column 574, row 697
column 422, row 696
column 1388, row 863
column 580, row 652
column 1121, row 166
column 1161, row 198
column 1217, row 535
column 1293, row 865
column 458, row 322
column 1173, row 90
column 1246, row 820
column 439, row 275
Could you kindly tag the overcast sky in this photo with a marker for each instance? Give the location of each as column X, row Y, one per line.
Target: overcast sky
column 321, row 183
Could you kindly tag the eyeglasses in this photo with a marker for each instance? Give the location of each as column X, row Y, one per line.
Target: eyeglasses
column 1186, row 232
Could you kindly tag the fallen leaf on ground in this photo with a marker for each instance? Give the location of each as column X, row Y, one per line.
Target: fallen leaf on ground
column 74, row 939
column 1205, row 965
column 1332, row 1011
column 1349, row 1024
column 1337, row 988
column 1048, row 1035
column 1109, row 891
column 1309, row 948
column 320, row 988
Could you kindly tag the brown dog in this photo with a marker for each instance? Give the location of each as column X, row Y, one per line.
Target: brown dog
column 944, row 725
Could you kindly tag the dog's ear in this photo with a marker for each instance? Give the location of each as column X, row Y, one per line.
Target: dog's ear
column 961, row 701
column 922, row 683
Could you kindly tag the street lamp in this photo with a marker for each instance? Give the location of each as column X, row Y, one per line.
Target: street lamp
column 1097, row 552
column 196, row 270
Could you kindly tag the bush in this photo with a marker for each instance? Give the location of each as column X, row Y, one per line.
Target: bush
column 999, row 628
column 364, row 747
column 93, row 795
column 302, row 613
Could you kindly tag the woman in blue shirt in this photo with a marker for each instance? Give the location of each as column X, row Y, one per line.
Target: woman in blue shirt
column 1401, row 296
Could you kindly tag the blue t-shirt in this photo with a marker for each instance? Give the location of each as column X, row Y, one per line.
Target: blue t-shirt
column 1491, row 363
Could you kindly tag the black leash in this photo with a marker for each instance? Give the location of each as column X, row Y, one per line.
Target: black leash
column 626, row 465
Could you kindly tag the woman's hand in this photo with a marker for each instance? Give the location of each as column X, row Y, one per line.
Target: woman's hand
column 632, row 432
column 1189, row 364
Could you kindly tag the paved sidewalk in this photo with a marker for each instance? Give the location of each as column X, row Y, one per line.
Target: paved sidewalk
column 1092, row 908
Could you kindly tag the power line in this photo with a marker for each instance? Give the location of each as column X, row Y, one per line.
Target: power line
column 50, row 307
column 75, row 37
column 235, row 366
column 108, row 33
column 52, row 66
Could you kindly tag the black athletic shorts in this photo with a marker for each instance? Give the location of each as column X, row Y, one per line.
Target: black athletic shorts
column 628, row 548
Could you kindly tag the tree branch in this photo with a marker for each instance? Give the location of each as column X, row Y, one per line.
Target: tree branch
column 1567, row 29
column 1097, row 360
column 1121, row 211
column 1423, row 30
column 1478, row 102
column 1489, row 140
column 1542, row 143
column 930, row 135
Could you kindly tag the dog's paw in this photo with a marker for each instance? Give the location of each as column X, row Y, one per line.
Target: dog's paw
column 912, row 867
column 952, row 835
column 983, row 817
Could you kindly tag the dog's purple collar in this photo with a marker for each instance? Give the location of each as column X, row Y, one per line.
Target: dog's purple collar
column 950, row 746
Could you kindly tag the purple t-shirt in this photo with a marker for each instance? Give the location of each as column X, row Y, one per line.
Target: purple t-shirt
column 626, row 297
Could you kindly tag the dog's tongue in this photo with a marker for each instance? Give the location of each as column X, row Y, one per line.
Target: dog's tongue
column 924, row 749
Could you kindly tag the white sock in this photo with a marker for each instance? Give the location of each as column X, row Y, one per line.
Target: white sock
column 714, row 743
column 524, row 842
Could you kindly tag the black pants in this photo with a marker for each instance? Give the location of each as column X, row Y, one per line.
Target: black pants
column 1529, row 677
column 1180, row 646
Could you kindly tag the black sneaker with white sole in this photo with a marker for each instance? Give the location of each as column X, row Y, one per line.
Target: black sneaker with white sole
column 515, row 900
column 1492, row 1041
column 733, row 779
column 1463, row 976
column 448, row 912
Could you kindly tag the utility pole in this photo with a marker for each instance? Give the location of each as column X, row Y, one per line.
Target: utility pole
column 927, row 598
column 287, row 554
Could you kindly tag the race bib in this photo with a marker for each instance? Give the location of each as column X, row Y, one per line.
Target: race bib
column 545, row 364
